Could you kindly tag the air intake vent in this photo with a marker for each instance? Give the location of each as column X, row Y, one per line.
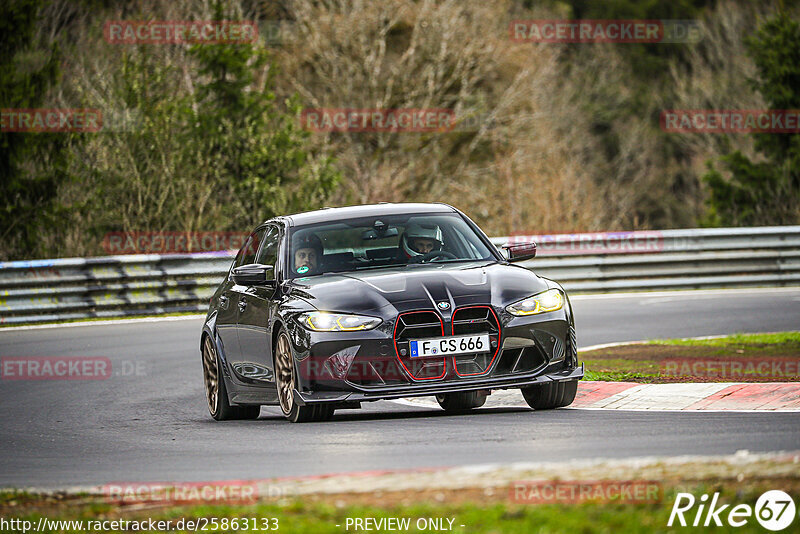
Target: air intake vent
column 418, row 325
column 520, row 360
column 476, row 320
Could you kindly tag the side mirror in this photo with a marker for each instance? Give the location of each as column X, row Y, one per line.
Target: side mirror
column 254, row 274
column 520, row 251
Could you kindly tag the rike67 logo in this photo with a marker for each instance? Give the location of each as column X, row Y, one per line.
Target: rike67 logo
column 774, row 510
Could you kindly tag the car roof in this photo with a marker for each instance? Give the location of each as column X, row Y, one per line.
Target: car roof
column 368, row 210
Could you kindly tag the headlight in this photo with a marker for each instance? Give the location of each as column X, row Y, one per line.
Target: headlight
column 335, row 322
column 546, row 301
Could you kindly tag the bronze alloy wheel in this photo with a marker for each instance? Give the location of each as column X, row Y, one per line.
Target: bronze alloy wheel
column 211, row 375
column 285, row 373
column 286, row 382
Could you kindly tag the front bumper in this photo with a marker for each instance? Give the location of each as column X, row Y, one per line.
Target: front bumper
column 422, row 390
column 372, row 365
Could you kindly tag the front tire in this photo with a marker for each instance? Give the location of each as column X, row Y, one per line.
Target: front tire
column 551, row 394
column 286, row 380
column 216, row 393
column 463, row 401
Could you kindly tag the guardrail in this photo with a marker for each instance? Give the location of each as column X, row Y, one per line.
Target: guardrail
column 118, row 286
column 112, row 286
column 669, row 259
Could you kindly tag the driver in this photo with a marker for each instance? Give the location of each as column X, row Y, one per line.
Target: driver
column 418, row 240
column 307, row 254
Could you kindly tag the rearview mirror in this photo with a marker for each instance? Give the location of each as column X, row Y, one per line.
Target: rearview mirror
column 376, row 234
column 520, row 251
column 254, row 274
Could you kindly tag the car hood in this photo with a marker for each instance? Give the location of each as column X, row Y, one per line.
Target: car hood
column 392, row 290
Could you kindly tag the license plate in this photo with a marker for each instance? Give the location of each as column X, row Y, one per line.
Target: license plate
column 445, row 346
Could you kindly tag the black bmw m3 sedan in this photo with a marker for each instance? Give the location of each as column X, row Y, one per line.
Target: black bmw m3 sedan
column 332, row 308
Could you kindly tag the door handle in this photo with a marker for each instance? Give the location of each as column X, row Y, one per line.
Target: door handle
column 242, row 305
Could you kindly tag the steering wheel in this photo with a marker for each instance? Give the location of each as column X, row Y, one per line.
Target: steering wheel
column 430, row 256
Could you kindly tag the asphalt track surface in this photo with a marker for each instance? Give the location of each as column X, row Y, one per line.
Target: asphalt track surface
column 148, row 422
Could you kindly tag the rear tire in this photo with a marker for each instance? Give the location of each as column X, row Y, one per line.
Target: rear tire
column 550, row 395
column 217, row 393
column 286, row 380
column 462, row 401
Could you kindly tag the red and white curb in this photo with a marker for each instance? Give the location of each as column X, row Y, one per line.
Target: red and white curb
column 494, row 478
column 779, row 396
column 717, row 396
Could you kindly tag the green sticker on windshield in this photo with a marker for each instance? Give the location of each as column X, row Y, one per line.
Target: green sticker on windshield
column 302, row 269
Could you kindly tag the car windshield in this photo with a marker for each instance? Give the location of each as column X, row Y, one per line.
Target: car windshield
column 385, row 241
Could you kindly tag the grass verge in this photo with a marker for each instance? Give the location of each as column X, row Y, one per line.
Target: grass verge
column 330, row 514
column 735, row 358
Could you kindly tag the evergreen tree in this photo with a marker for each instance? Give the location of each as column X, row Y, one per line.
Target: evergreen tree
column 765, row 192
column 256, row 148
column 32, row 165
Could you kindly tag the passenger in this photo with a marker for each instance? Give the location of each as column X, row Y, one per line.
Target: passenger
column 307, row 254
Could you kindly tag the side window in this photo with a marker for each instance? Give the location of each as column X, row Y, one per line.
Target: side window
column 268, row 255
column 247, row 254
